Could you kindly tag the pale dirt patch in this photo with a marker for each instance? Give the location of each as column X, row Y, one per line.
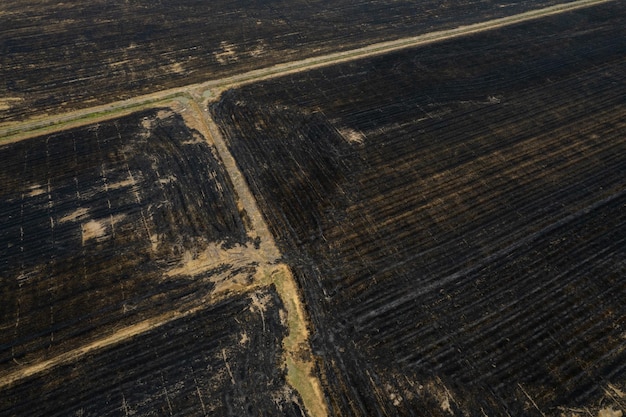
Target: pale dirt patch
column 441, row 393
column 164, row 114
column 154, row 241
column 212, row 257
column 121, row 184
column 352, row 136
column 285, row 394
column 259, row 304
column 78, row 214
column 394, row 395
column 97, row 229
column 148, row 123
column 282, row 315
column 93, row 229
column 167, row 180
column 610, row 412
column 187, row 109
column 36, row 190
column 195, row 140
column 7, row 102
column 259, row 49
column 226, row 54
column 177, row 68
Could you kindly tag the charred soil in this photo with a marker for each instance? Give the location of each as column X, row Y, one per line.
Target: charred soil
column 55, row 56
column 455, row 215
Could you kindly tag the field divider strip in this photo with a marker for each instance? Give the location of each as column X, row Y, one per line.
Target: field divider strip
column 14, row 131
column 240, row 185
column 114, row 338
column 220, row 293
column 296, row 345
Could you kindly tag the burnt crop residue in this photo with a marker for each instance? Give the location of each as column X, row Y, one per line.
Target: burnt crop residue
column 456, row 217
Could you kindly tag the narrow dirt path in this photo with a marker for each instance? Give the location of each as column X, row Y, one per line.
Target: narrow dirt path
column 297, row 355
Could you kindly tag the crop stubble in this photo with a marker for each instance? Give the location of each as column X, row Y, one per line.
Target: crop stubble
column 455, row 216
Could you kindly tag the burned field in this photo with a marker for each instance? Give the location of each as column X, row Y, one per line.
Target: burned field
column 58, row 56
column 455, row 216
column 109, row 224
column 219, row 361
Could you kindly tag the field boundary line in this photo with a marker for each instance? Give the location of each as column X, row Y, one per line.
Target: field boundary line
column 15, row 131
column 119, row 336
column 240, row 186
column 296, row 345
column 394, row 45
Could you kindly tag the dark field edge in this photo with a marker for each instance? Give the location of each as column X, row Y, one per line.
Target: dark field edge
column 223, row 360
column 91, row 220
column 455, row 215
column 56, row 57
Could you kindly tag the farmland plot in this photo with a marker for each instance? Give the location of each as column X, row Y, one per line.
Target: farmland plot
column 221, row 360
column 456, row 217
column 109, row 225
column 56, row 56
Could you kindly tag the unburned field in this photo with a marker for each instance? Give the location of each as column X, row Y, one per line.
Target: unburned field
column 456, row 217
column 223, row 360
column 109, row 224
column 57, row 56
